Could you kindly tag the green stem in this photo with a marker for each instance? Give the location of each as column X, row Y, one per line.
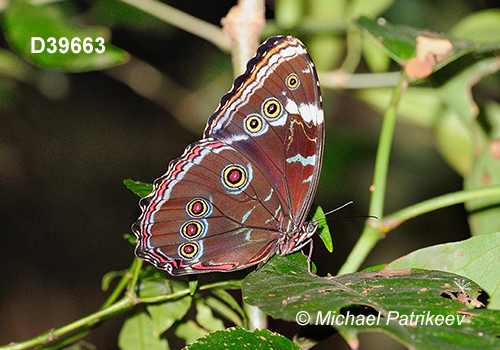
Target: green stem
column 135, row 269
column 80, row 328
column 341, row 80
column 87, row 322
column 371, row 235
column 193, row 25
column 124, row 282
column 353, row 41
column 392, row 221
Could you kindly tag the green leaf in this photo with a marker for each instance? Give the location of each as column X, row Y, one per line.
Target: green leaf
column 391, row 297
column 24, row 20
column 367, row 8
column 400, row 42
column 288, row 13
column 484, row 214
column 238, row 338
column 482, row 26
column 137, row 334
column 223, row 295
column 190, row 331
column 454, row 139
column 374, row 56
column 223, row 310
column 12, row 66
column 206, row 319
column 324, row 230
column 450, row 111
column 420, row 105
column 139, row 188
column 165, row 314
column 193, row 284
column 475, row 258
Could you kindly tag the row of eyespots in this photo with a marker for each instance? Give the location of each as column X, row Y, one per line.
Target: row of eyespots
column 197, row 208
column 235, row 178
column 271, row 109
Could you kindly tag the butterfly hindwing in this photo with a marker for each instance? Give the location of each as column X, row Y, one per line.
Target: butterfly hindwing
column 213, row 204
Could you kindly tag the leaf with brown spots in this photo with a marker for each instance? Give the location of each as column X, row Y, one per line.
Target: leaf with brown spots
column 407, row 292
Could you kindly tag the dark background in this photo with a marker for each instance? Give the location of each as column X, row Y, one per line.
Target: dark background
column 67, row 141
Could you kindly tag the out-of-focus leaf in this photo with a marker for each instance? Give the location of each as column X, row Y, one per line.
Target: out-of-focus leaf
column 484, row 214
column 23, row 21
column 482, row 27
column 163, row 315
column 137, row 334
column 229, row 299
column 190, row 331
column 326, row 48
column 288, row 13
column 374, row 56
column 206, row 318
column 367, row 8
column 226, row 311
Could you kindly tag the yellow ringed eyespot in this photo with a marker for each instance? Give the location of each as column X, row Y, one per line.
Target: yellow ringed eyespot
column 292, row 81
column 234, row 176
column 197, row 207
column 253, row 124
column 191, row 229
column 272, row 108
column 188, row 250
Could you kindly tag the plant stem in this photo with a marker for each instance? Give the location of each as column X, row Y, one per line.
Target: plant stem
column 393, row 220
column 124, row 282
column 371, row 235
column 341, row 80
column 183, row 21
column 87, row 322
column 81, row 327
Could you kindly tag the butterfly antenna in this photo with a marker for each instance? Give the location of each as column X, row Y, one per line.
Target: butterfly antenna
column 332, row 211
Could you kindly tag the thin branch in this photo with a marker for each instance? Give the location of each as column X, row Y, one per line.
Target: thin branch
column 370, row 235
column 182, row 20
column 392, row 221
column 342, row 80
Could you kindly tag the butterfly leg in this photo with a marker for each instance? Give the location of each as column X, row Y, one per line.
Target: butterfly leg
column 308, row 256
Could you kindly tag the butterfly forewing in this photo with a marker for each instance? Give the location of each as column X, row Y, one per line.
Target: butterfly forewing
column 233, row 197
column 289, row 142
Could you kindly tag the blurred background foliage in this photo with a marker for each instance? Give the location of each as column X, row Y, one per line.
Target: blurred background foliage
column 67, row 140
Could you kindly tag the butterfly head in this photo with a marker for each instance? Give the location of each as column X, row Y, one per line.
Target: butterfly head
column 298, row 238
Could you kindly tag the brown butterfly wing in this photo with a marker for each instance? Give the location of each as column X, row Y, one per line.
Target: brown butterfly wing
column 230, row 199
column 213, row 210
column 289, row 144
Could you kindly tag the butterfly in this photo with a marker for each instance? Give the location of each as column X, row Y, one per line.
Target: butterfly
column 241, row 194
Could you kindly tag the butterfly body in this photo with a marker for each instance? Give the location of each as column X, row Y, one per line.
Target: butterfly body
column 241, row 194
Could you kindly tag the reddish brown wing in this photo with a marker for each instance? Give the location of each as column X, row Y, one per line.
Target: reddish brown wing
column 213, row 210
column 289, row 145
column 231, row 197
